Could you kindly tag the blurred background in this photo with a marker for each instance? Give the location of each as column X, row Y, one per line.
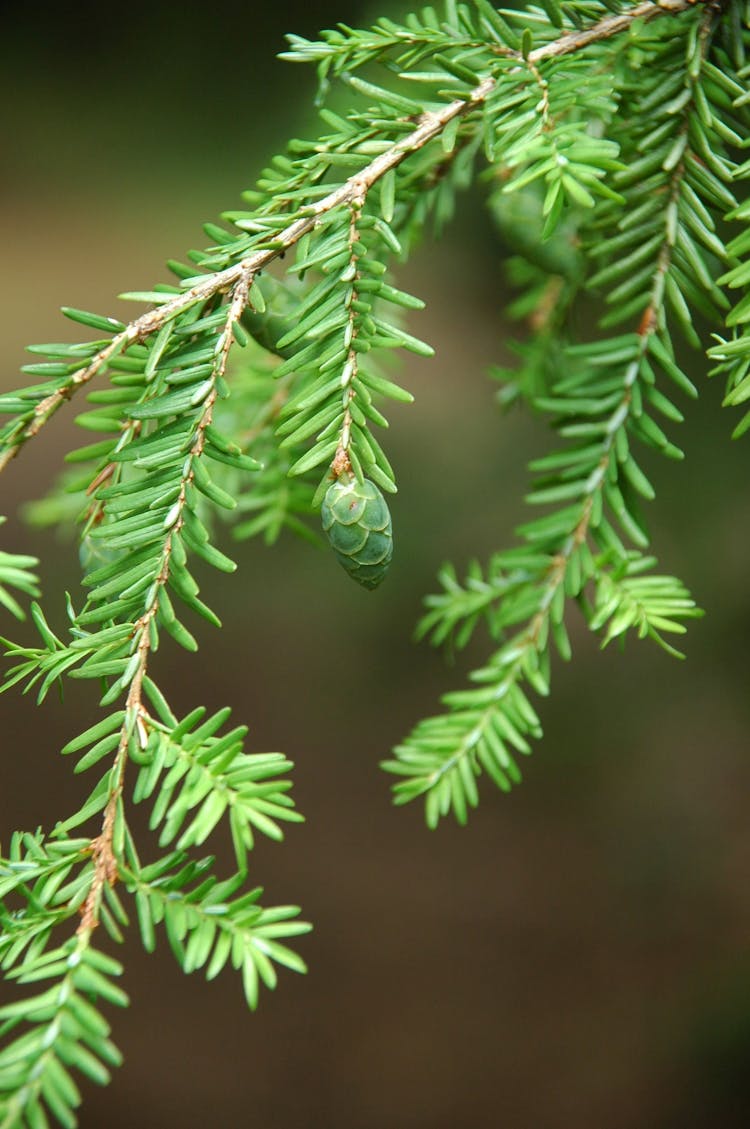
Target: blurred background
column 579, row 954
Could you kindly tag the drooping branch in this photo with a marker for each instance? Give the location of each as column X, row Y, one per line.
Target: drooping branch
column 441, row 756
column 136, row 716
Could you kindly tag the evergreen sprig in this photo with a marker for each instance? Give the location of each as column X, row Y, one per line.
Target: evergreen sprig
column 207, row 926
column 64, row 1031
column 252, row 391
column 657, row 236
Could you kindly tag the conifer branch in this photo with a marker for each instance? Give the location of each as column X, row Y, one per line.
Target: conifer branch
column 430, row 126
column 136, row 716
column 444, row 753
column 615, row 164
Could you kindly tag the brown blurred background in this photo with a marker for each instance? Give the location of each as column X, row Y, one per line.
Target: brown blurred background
column 577, row 956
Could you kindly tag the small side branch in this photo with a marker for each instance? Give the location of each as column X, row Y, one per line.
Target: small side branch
column 136, row 715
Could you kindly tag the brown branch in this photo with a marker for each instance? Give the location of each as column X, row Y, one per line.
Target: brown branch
column 608, row 27
column 430, row 125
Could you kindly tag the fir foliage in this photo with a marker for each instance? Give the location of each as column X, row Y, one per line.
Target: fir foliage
column 252, row 392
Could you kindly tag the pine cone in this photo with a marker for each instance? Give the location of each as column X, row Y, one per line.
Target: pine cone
column 357, row 522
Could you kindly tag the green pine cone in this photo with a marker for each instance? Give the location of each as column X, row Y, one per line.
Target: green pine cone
column 357, row 523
